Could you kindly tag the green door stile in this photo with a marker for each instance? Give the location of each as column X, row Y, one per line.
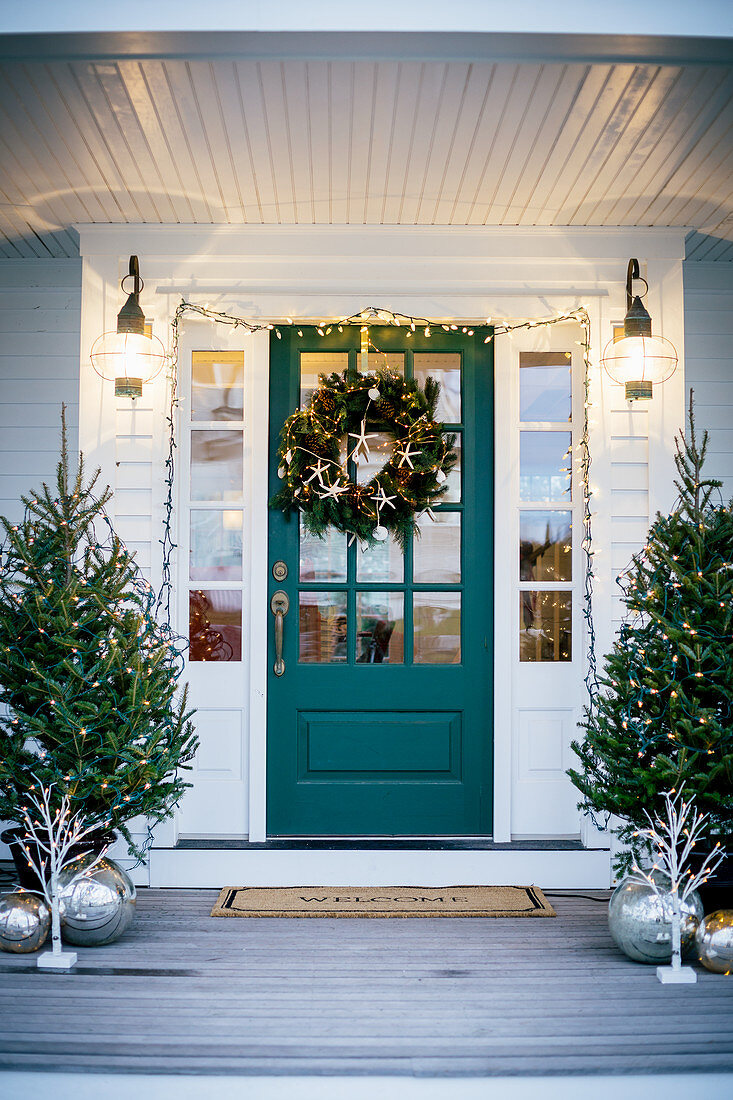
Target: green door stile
column 386, row 745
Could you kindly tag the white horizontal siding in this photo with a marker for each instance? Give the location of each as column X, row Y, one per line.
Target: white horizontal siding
column 709, row 361
column 40, row 312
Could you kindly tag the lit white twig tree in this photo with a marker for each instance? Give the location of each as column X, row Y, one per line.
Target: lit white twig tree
column 51, row 836
column 673, row 840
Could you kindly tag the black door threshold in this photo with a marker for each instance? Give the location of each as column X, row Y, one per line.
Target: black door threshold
column 387, row 843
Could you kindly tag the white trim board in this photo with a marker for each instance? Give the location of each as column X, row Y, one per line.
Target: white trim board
column 296, row 867
column 75, row 1086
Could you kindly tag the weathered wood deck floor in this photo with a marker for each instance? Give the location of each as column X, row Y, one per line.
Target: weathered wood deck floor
column 183, row 993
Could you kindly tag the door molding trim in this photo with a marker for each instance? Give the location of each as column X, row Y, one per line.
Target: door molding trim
column 259, row 559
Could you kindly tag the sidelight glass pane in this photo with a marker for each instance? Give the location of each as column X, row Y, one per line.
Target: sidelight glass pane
column 544, row 465
column 436, row 554
column 215, row 625
column 382, row 562
column 545, row 546
column 217, row 385
column 545, row 385
column 322, row 622
column 437, row 628
column 322, row 559
column 217, row 465
column 445, row 368
column 545, row 626
column 315, row 363
column 380, row 629
column 215, row 553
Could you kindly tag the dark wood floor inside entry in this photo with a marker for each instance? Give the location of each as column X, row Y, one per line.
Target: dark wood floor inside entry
column 185, row 993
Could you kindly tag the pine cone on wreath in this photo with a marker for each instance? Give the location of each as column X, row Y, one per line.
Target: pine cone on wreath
column 387, row 408
column 355, row 495
column 324, row 402
column 315, row 443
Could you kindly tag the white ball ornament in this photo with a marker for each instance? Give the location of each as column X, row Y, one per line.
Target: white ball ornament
column 374, row 394
column 380, row 533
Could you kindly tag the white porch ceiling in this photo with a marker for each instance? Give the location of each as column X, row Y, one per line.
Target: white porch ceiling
column 388, row 141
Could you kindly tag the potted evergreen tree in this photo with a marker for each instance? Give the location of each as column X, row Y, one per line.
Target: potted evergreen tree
column 88, row 677
column 664, row 714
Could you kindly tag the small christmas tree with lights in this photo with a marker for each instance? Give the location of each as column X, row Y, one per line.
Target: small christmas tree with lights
column 664, row 714
column 88, row 678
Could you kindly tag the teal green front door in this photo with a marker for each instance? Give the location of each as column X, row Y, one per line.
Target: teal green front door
column 381, row 723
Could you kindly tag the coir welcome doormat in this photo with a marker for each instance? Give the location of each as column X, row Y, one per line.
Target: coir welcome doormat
column 382, row 901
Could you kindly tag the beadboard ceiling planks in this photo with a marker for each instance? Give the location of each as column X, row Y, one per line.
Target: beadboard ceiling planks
column 409, row 142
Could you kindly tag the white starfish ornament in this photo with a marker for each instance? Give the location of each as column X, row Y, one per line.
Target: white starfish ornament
column 406, row 456
column 361, row 447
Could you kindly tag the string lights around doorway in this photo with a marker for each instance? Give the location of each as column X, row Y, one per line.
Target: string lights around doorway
column 378, row 315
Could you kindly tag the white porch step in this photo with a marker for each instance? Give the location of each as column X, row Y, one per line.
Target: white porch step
column 218, row 867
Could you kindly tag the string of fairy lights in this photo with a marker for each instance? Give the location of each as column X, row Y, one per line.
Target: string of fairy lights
column 409, row 324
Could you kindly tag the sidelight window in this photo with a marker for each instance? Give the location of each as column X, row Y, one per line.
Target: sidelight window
column 545, row 515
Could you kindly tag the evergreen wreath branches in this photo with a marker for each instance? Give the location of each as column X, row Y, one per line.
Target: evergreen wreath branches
column 315, row 468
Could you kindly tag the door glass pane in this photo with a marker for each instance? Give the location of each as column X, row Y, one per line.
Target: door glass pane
column 545, row 626
column 545, row 380
column 444, row 367
column 322, row 621
column 437, row 628
column 380, row 631
column 217, row 386
column 315, row 363
column 393, row 361
column 381, row 447
column 217, row 468
column 436, row 554
column 544, row 465
column 216, row 546
column 545, row 546
column 322, row 559
column 215, row 625
column 453, row 494
column 382, row 562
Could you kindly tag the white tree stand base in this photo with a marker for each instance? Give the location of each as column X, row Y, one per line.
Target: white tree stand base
column 63, row 961
column 668, row 975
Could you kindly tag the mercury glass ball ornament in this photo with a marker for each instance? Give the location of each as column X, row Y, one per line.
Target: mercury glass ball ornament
column 714, row 941
column 25, row 921
column 99, row 906
column 640, row 921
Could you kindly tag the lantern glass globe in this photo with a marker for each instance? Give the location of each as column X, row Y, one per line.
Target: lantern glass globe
column 636, row 362
column 128, row 359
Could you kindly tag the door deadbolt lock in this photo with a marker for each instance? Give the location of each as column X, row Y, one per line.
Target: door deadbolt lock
column 279, row 570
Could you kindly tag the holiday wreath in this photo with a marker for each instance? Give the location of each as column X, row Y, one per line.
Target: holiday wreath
column 314, row 465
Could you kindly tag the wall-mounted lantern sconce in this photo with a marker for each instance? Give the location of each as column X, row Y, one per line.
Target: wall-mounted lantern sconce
column 637, row 360
column 129, row 356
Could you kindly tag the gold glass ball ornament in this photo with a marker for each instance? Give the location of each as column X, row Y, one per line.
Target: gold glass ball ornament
column 640, row 921
column 714, row 941
column 99, row 906
column 25, row 921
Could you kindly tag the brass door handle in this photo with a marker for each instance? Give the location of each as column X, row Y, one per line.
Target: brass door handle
column 279, row 605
